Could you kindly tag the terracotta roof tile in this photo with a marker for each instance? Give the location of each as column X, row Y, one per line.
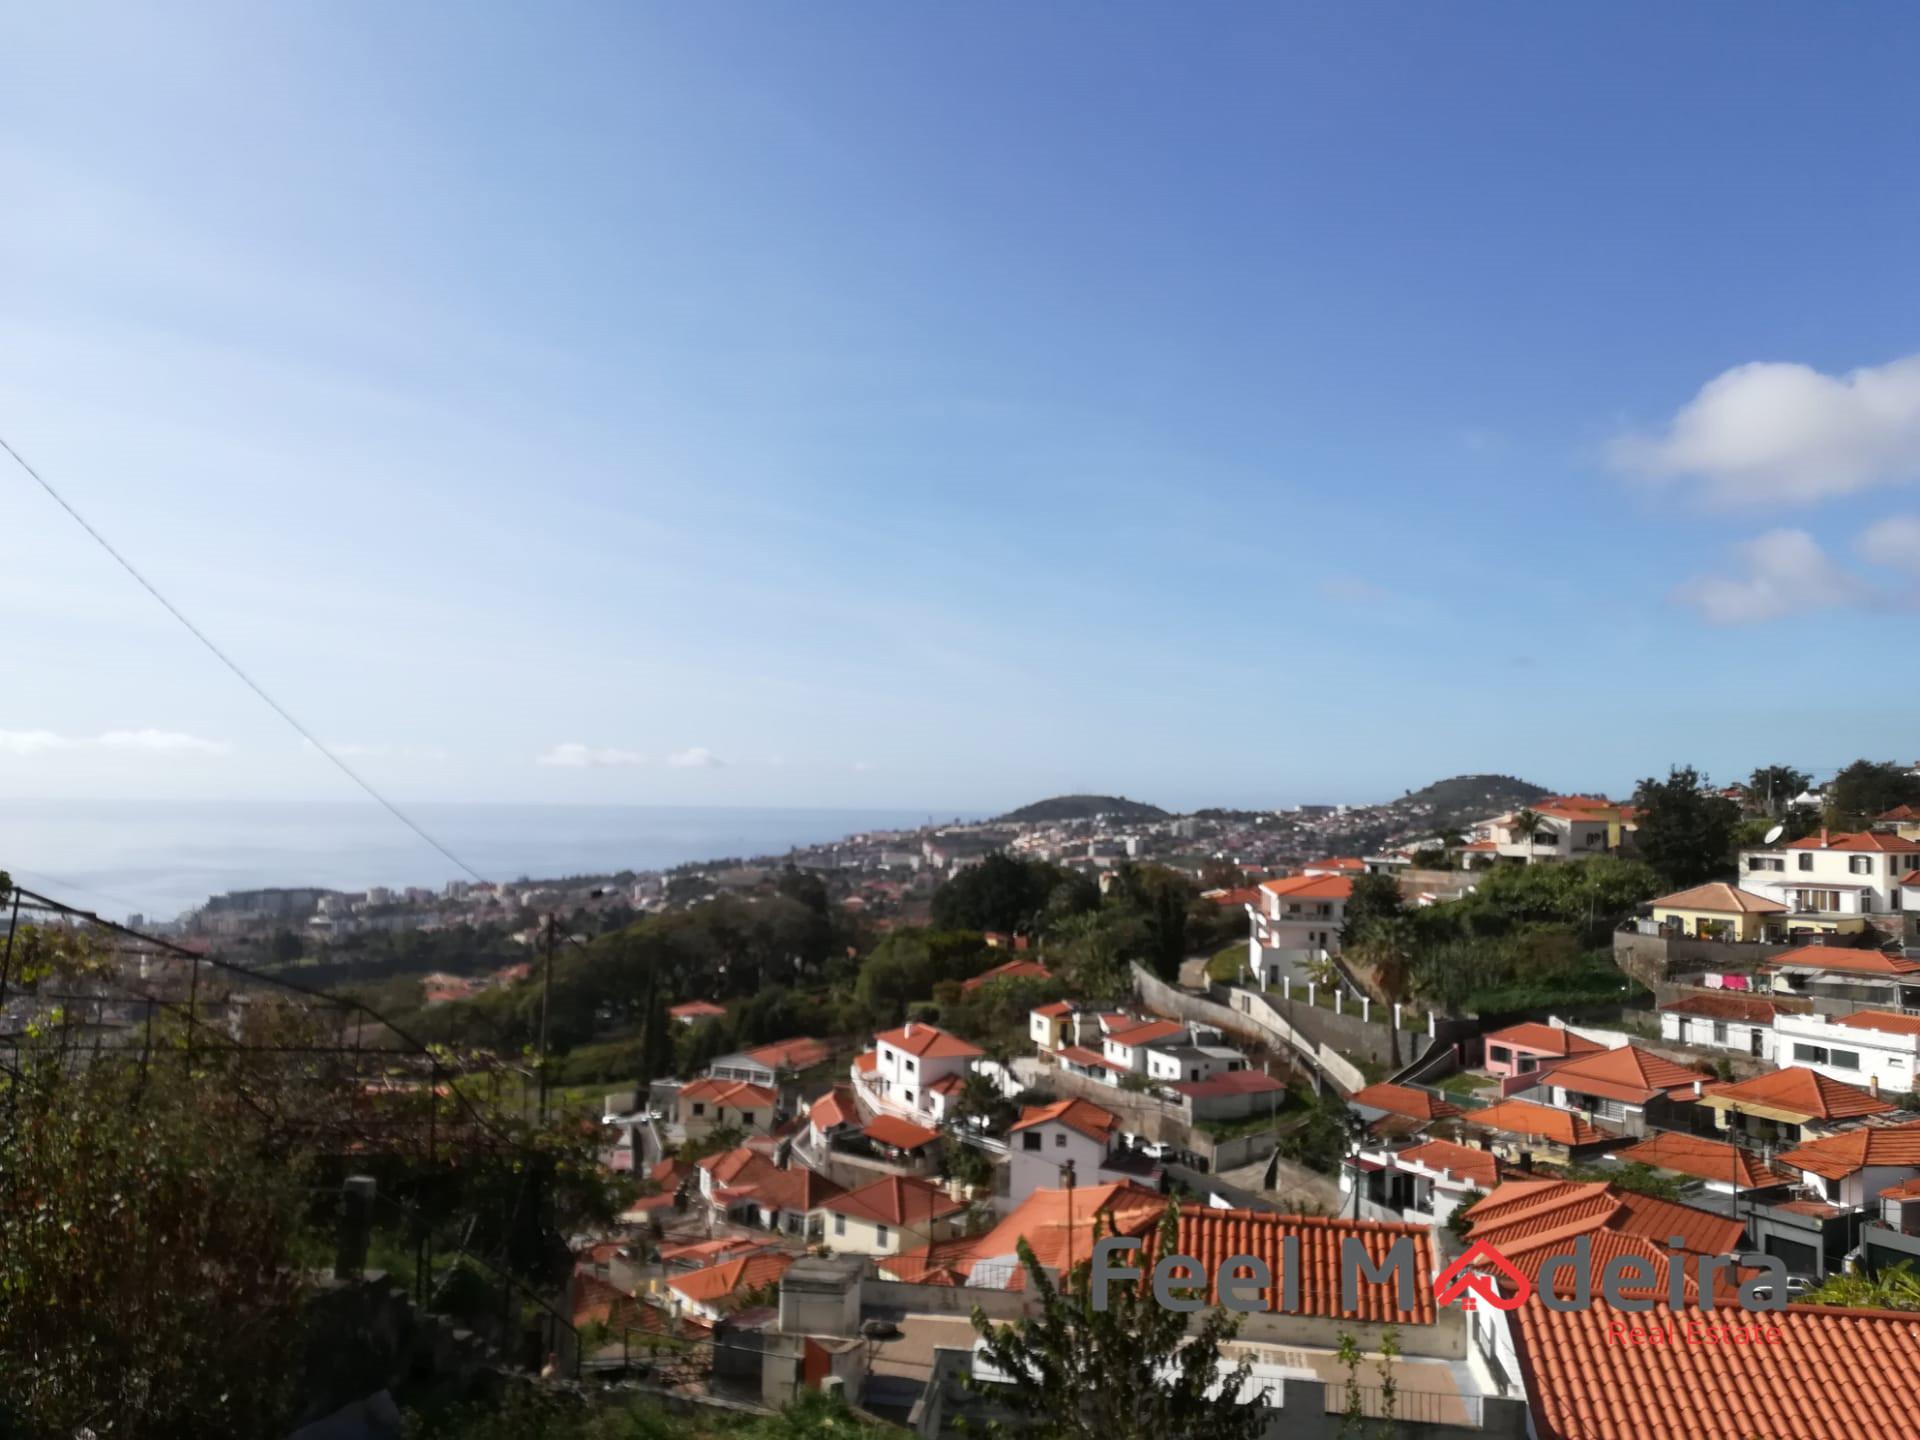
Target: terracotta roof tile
column 1863, row 840
column 1720, row 897
column 1841, row 958
column 1310, row 887
column 1230, row 1082
column 1213, row 1236
column 1081, row 1115
column 1835, row 1157
column 1706, row 1159
column 801, row 1054
column 1056, row 1224
column 901, row 1134
column 1834, row 1375
column 835, row 1108
column 1886, row 1022
column 916, row 1037
column 1012, row 970
column 1523, row 1117
column 1628, row 1074
column 896, row 1200
column 1797, row 1090
column 737, row 1093
column 1404, row 1100
column 732, row 1280
column 1750, row 1009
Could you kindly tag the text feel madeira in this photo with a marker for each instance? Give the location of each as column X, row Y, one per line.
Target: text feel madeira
column 1626, row 1282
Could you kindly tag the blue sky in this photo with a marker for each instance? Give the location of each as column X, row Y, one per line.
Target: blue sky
column 940, row 406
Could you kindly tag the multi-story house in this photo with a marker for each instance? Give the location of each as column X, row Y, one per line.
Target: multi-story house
column 899, row 1212
column 1628, row 1090
column 1071, row 1138
column 1564, row 832
column 915, row 1071
column 705, row 1105
column 1833, row 884
column 1191, row 1059
column 1422, row 1183
column 1876, row 1048
column 1298, row 915
column 1125, row 1046
column 1852, row 1168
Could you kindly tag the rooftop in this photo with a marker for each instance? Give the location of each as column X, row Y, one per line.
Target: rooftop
column 1081, row 1115
column 1549, row 1039
column 1404, row 1100
column 896, row 1200
column 1722, row 898
column 916, row 1037
column 1800, row 1092
column 1835, row 1157
column 1523, row 1117
column 1705, row 1159
column 1628, row 1074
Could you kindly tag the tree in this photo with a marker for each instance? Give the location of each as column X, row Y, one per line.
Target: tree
column 1371, row 898
column 1685, row 830
column 1000, row 893
column 1869, row 788
column 1386, row 947
column 1771, row 788
column 1894, row 1287
column 1130, row 1371
column 1525, row 819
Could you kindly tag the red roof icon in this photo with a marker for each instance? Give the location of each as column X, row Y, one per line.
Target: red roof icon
column 1462, row 1281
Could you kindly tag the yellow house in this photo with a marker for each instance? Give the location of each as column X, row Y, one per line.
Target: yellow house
column 901, row 1212
column 1051, row 1026
column 1719, row 911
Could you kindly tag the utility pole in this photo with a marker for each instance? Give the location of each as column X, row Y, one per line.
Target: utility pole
column 546, row 1001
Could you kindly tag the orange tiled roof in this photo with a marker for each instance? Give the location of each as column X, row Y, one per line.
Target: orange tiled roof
column 1720, row 897
column 1404, row 1100
column 1886, row 1022
column 834, row 1108
column 1748, row 1008
column 1081, row 1055
column 1894, row 1147
column 1479, row 1166
column 1541, row 1216
column 732, row 1280
column 1081, row 1115
column 1012, row 970
column 1523, row 1117
column 901, row 1134
column 1797, row 1090
column 799, row 1054
column 1548, row 1039
column 916, row 1037
column 1834, row 1375
column 1146, row 1031
column 1628, row 1074
column 1055, row 1223
column 1840, row 958
column 1213, row 1236
column 738, row 1093
column 1867, row 840
column 896, row 1200
column 1901, row 812
column 739, row 1166
column 1058, row 1010
column 1708, row 1159
column 694, row 1009
column 1310, row 887
column 796, row 1188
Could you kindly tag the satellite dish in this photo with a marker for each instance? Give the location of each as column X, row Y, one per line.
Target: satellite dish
column 1774, row 834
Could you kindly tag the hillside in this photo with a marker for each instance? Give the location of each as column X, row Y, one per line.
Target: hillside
column 1470, row 797
column 1084, row 807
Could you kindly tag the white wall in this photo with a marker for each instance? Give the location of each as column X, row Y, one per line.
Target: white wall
column 1889, row 1060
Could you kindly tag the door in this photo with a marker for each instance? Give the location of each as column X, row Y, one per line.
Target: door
column 1753, row 1041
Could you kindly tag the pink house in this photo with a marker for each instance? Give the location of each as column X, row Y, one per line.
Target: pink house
column 1524, row 1048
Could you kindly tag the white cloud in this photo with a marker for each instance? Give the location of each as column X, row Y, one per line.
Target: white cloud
column 1785, row 573
column 695, row 757
column 171, row 742
column 573, row 755
column 1893, row 542
column 1787, row 433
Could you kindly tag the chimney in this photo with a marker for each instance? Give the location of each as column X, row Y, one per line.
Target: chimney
column 908, row 1032
column 1873, row 1087
column 1823, row 837
column 1696, row 1089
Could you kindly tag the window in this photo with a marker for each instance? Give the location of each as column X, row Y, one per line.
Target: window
column 1059, row 1139
column 1030, row 1140
column 1499, row 1054
column 699, row 1108
column 1860, row 864
column 839, row 1224
column 881, row 1234
column 1719, row 1033
column 1806, row 860
column 1822, row 1055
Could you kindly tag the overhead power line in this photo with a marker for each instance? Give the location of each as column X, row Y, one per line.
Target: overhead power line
column 228, row 661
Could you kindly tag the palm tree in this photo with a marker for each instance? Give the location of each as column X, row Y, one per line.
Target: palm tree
column 1387, row 949
column 1528, row 819
column 1895, row 1288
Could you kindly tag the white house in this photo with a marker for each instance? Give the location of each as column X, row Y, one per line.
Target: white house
column 1421, row 1184
column 1852, row 1168
column 915, row 1071
column 1125, row 1047
column 1558, row 834
column 1048, row 1138
column 1876, row 1048
column 1738, row 1024
column 1831, row 883
column 1301, row 914
column 1180, row 1059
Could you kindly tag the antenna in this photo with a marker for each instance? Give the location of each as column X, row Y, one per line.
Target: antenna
column 1774, row 834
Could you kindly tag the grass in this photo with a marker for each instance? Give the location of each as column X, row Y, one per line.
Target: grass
column 1463, row 1082
column 1228, row 965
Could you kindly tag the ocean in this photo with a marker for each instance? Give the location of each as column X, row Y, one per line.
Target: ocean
column 160, row 858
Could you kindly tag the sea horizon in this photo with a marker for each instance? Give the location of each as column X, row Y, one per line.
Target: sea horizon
column 162, row 858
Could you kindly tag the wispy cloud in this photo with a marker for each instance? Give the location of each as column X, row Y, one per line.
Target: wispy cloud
column 695, row 757
column 1893, row 542
column 1788, row 433
column 1784, row 572
column 574, row 755
column 156, row 742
